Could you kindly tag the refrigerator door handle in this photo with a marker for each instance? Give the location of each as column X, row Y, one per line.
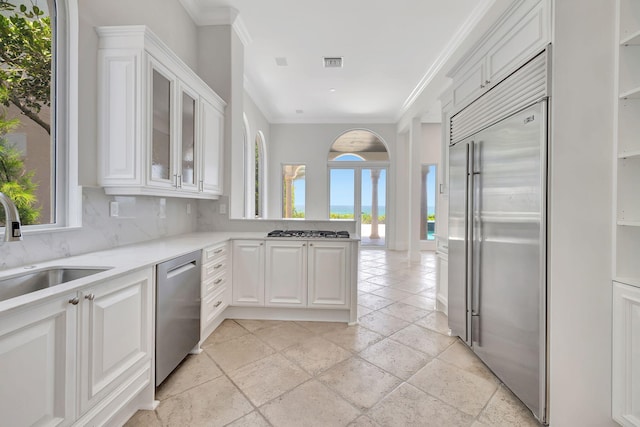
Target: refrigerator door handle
column 475, row 239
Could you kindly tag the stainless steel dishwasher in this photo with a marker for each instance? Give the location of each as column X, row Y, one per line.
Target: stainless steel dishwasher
column 177, row 311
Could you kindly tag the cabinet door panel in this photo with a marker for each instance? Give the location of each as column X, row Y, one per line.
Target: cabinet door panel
column 328, row 274
column 189, row 156
column 286, row 274
column 626, row 354
column 116, row 330
column 37, row 358
column 248, row 272
column 212, row 125
column 469, row 86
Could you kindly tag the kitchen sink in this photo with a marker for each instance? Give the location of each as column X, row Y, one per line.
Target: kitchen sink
column 31, row 281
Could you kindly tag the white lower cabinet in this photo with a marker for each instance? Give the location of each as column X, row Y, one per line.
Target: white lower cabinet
column 328, row 277
column 38, row 364
column 98, row 339
column 215, row 291
column 626, row 354
column 248, row 272
column 286, row 274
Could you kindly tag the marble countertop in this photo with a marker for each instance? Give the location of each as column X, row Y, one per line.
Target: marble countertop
column 123, row 260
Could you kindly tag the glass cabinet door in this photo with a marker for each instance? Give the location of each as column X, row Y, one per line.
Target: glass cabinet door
column 161, row 155
column 188, row 139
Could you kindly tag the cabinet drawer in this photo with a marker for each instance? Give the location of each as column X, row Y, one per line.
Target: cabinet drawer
column 214, row 268
column 211, row 284
column 214, row 253
column 213, row 305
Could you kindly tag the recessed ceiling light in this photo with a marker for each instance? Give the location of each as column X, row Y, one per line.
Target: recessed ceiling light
column 281, row 61
column 299, row 111
column 332, row 90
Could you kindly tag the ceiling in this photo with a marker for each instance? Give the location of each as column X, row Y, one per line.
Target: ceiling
column 390, row 48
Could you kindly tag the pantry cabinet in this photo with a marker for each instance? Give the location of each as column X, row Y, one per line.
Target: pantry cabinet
column 160, row 127
column 77, row 358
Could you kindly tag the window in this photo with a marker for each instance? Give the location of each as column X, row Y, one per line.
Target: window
column 38, row 116
column 255, row 173
column 293, row 191
column 428, row 202
column 258, row 174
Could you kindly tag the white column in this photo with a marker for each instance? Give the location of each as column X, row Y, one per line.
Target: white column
column 375, row 175
column 414, row 189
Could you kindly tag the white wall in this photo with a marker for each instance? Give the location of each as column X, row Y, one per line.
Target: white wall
column 309, row 144
column 580, row 213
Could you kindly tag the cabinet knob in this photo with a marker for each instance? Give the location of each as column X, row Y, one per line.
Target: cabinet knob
column 310, row 244
column 74, row 301
column 304, row 244
column 486, row 82
column 261, row 244
column 90, row 297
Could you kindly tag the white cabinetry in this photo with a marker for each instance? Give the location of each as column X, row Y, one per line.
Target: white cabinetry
column 521, row 32
column 78, row 358
column 38, row 364
column 160, row 126
column 626, row 354
column 115, row 342
column 248, row 272
column 626, row 285
column 215, row 287
column 329, row 272
column 286, row 274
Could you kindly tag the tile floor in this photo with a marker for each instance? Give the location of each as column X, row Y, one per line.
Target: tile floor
column 397, row 367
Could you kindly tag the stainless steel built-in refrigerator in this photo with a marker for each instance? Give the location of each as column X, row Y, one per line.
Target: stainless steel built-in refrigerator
column 497, row 248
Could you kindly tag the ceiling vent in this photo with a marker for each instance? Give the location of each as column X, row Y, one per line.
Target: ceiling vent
column 333, row 62
column 281, row 61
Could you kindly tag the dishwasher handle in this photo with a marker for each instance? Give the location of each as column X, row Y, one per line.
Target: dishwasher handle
column 175, row 271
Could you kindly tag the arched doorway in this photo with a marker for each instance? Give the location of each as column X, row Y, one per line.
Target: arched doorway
column 358, row 162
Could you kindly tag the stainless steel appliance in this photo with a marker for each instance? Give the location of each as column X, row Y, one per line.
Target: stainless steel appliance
column 497, row 234
column 177, row 311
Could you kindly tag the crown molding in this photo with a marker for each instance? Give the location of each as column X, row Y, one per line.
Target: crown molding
column 446, row 54
column 204, row 15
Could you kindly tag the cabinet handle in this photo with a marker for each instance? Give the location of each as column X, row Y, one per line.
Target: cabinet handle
column 215, row 267
column 180, row 179
column 175, row 178
column 217, row 304
column 486, row 82
column 74, row 301
column 90, row 297
column 201, row 185
column 217, row 282
column 216, row 251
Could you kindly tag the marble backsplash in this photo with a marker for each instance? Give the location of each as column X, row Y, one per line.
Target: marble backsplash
column 140, row 219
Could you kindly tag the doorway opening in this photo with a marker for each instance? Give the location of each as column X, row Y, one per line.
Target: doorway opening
column 358, row 163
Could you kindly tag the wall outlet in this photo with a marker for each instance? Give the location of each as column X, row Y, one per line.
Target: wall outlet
column 188, row 208
column 222, row 208
column 113, row 208
column 162, row 213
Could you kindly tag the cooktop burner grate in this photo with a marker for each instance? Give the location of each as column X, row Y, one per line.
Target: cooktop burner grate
column 323, row 234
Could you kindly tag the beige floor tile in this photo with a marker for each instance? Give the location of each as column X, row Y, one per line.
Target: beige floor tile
column 238, row 352
column 420, row 302
column 457, row 387
column 214, row 403
column 368, row 287
column 382, row 281
column 374, row 270
column 373, row 302
column 143, row 419
column 193, row 371
column 363, row 311
column 395, row 358
column 323, row 327
column 228, row 330
column 408, row 406
column 409, row 286
column 436, row 321
column 360, row 382
column 283, row 335
column 479, row 424
column 311, row 404
column 316, row 355
column 392, row 293
column 253, row 419
column 461, row 356
column 404, row 311
column 364, row 421
column 354, row 338
column 252, row 325
column 504, row 409
column 424, row 340
column 268, row 378
column 382, row 323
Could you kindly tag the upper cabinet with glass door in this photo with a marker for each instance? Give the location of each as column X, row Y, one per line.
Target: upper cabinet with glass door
column 160, row 126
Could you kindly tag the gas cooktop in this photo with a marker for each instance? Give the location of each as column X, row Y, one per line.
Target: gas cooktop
column 309, row 234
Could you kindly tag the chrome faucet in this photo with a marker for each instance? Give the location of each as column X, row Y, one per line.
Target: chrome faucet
column 12, row 230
